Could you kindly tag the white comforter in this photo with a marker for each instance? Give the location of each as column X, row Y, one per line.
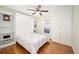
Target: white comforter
column 32, row 41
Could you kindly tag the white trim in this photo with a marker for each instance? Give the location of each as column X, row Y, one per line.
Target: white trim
column 3, row 46
column 61, row 43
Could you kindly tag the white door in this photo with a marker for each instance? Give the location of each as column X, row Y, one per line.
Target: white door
column 61, row 23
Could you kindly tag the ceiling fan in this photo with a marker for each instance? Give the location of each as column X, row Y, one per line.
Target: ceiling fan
column 38, row 9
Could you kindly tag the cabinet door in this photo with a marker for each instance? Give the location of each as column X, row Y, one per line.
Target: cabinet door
column 8, row 50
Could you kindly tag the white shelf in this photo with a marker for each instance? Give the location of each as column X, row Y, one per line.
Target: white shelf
column 6, row 39
column 6, row 27
column 6, row 33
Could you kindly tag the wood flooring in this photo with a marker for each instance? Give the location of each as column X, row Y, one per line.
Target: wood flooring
column 8, row 50
column 48, row 48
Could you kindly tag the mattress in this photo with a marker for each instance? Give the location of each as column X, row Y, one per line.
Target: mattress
column 32, row 41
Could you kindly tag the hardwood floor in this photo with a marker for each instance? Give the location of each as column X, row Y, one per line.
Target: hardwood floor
column 48, row 48
column 20, row 49
column 8, row 50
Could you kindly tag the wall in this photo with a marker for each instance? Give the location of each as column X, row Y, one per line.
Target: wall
column 40, row 21
column 60, row 18
column 7, row 11
column 75, row 33
column 6, row 27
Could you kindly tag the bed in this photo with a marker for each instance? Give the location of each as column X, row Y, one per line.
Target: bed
column 32, row 41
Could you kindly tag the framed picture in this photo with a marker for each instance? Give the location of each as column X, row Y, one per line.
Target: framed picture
column 6, row 17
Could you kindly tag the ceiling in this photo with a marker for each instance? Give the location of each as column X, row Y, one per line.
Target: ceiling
column 23, row 8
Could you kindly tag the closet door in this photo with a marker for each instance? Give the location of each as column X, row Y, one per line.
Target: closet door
column 65, row 25
column 61, row 25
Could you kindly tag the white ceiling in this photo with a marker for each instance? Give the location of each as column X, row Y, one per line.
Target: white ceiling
column 23, row 8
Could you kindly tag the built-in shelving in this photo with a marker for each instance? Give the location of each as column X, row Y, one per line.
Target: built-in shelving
column 6, row 28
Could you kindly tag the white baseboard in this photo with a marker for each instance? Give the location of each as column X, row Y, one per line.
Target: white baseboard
column 61, row 43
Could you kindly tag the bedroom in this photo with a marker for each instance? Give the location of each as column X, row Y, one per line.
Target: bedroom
column 53, row 32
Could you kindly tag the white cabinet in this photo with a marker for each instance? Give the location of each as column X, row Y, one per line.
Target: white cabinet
column 61, row 24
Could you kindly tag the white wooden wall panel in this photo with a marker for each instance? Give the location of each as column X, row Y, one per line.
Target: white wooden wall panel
column 24, row 24
column 61, row 22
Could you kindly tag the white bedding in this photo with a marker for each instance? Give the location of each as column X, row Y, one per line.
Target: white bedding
column 32, row 41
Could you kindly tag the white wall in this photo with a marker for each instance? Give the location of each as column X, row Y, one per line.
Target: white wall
column 61, row 22
column 24, row 24
column 7, row 11
column 6, row 27
column 39, row 22
column 60, row 18
column 75, row 33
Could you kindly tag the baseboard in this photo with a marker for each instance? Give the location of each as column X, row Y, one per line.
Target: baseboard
column 60, row 43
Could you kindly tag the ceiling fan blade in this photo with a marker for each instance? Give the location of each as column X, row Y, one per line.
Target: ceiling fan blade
column 34, row 13
column 31, row 9
column 43, row 10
